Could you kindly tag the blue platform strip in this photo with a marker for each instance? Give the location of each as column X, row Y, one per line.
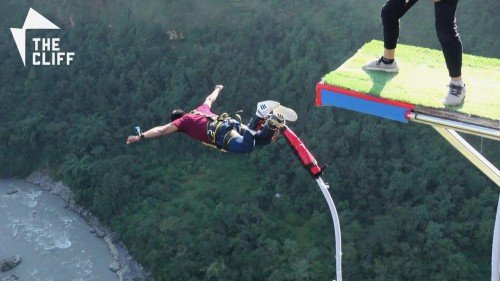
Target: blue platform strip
column 392, row 112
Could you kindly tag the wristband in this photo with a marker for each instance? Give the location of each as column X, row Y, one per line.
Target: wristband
column 141, row 136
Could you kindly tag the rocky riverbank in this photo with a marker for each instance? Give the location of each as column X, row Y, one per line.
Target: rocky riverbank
column 124, row 265
column 9, row 263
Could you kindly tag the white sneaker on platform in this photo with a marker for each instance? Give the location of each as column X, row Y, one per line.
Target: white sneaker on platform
column 379, row 65
column 456, row 95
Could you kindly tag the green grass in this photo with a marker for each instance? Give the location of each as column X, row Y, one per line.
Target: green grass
column 422, row 79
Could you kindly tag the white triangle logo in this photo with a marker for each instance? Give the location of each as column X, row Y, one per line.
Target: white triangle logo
column 34, row 20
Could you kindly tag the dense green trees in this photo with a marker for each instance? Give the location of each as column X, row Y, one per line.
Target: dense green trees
column 411, row 207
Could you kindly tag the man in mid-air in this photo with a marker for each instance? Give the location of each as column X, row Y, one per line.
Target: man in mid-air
column 222, row 131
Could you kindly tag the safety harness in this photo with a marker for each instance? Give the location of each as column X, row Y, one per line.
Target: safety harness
column 214, row 129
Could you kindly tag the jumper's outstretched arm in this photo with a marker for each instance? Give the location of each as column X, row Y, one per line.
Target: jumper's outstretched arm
column 213, row 96
column 153, row 133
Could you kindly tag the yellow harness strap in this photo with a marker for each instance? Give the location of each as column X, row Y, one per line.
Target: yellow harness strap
column 213, row 129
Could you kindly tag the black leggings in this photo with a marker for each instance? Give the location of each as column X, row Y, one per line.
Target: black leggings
column 446, row 29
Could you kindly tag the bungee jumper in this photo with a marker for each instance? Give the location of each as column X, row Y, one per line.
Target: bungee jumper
column 224, row 131
column 228, row 134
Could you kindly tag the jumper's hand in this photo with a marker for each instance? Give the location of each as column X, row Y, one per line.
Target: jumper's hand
column 132, row 139
column 213, row 96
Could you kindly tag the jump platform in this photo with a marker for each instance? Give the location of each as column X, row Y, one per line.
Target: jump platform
column 419, row 87
column 416, row 94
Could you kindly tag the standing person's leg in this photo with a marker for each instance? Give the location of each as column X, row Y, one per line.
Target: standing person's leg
column 451, row 44
column 392, row 11
column 446, row 29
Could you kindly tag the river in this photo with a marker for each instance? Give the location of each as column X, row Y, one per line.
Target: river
column 53, row 241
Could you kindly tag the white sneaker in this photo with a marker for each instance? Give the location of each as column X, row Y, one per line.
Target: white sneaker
column 275, row 122
column 280, row 115
column 456, row 95
column 379, row 65
column 285, row 113
column 265, row 107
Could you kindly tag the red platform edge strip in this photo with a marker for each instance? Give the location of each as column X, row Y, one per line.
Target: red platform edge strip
column 321, row 86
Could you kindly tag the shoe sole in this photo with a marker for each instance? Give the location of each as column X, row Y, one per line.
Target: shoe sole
column 396, row 70
column 286, row 113
column 454, row 104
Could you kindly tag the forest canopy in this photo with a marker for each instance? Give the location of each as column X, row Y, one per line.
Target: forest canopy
column 410, row 206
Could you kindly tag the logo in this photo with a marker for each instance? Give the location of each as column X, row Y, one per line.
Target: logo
column 46, row 50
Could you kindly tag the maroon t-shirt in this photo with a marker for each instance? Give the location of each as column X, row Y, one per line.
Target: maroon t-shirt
column 195, row 125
